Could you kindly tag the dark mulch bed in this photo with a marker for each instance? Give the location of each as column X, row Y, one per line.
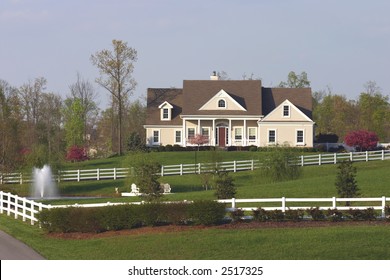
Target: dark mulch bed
column 235, row 225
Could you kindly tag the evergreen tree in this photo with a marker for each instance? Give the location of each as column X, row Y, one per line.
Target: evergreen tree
column 346, row 184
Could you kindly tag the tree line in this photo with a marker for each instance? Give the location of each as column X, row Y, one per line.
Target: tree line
column 39, row 127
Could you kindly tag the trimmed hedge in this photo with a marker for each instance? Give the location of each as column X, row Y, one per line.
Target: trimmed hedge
column 100, row 219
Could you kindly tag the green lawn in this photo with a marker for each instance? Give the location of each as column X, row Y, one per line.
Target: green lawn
column 336, row 242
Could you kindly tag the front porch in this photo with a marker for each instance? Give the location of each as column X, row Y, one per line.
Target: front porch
column 221, row 132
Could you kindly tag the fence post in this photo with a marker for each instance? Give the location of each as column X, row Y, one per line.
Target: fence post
column 351, row 156
column 334, row 202
column 234, row 166
column 383, row 207
column 162, row 170
column 32, row 212
column 98, row 174
column 283, row 204
column 181, row 169
column 78, row 175
column 16, row 206
column 199, row 168
column 233, row 203
column 1, row 202
column 9, row 204
column 302, row 160
column 21, row 178
column 366, row 155
column 252, row 165
column 114, row 173
column 335, row 158
column 383, row 154
column 24, row 208
column 319, row 159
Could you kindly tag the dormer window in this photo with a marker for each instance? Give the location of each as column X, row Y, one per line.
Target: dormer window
column 221, row 103
column 165, row 111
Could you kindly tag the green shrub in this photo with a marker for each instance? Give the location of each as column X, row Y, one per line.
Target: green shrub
column 276, row 215
column 294, row 215
column 362, row 215
column 334, row 215
column 237, row 215
column 317, row 214
column 175, row 213
column 260, row 215
column 151, row 214
column 207, row 212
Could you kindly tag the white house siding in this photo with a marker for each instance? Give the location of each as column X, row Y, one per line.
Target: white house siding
column 286, row 134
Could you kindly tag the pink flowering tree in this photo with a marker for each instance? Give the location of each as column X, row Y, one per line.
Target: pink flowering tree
column 76, row 153
column 362, row 140
column 199, row 140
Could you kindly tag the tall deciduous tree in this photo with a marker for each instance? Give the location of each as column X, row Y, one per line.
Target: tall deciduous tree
column 83, row 91
column 296, row 81
column 116, row 68
column 74, row 124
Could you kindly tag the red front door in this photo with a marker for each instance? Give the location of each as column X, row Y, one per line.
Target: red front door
column 221, row 136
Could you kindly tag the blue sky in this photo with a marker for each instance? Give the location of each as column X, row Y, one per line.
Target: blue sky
column 340, row 44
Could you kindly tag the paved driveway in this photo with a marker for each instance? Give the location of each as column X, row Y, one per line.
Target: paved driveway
column 13, row 249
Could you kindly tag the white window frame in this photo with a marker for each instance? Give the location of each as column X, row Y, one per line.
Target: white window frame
column 224, row 103
column 297, row 143
column 158, row 136
column 289, row 110
column 175, row 136
column 249, row 135
column 240, row 134
column 169, row 112
column 275, row 136
column 188, row 132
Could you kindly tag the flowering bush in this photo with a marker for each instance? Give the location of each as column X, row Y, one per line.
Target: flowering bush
column 76, row 153
column 362, row 140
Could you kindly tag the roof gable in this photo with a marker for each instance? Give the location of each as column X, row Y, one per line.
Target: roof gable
column 286, row 111
column 222, row 101
column 166, row 104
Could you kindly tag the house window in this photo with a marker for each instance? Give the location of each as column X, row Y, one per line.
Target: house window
column 221, row 103
column 271, row 136
column 252, row 133
column 165, row 114
column 177, row 136
column 191, row 132
column 238, row 133
column 206, row 132
column 286, row 111
column 300, row 137
column 156, row 137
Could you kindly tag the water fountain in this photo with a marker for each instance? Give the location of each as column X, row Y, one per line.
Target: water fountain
column 43, row 185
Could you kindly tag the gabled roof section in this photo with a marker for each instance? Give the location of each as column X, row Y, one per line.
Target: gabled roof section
column 295, row 114
column 246, row 95
column 229, row 102
column 166, row 104
column 157, row 97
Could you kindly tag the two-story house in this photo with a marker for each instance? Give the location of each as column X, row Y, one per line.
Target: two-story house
column 229, row 113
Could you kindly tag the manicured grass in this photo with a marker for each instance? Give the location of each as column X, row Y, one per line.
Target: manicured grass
column 334, row 242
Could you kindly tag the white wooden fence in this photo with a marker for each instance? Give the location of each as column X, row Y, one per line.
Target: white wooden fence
column 27, row 209
column 182, row 169
column 379, row 203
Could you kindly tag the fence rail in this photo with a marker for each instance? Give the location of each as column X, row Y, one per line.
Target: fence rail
column 305, row 203
column 28, row 209
column 182, row 169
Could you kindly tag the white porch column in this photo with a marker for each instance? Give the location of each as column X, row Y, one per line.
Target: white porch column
column 213, row 141
column 184, row 134
column 230, row 133
column 198, row 127
column 244, row 134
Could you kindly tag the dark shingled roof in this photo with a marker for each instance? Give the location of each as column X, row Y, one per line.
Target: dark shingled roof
column 256, row 99
column 300, row 97
column 247, row 93
column 157, row 96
